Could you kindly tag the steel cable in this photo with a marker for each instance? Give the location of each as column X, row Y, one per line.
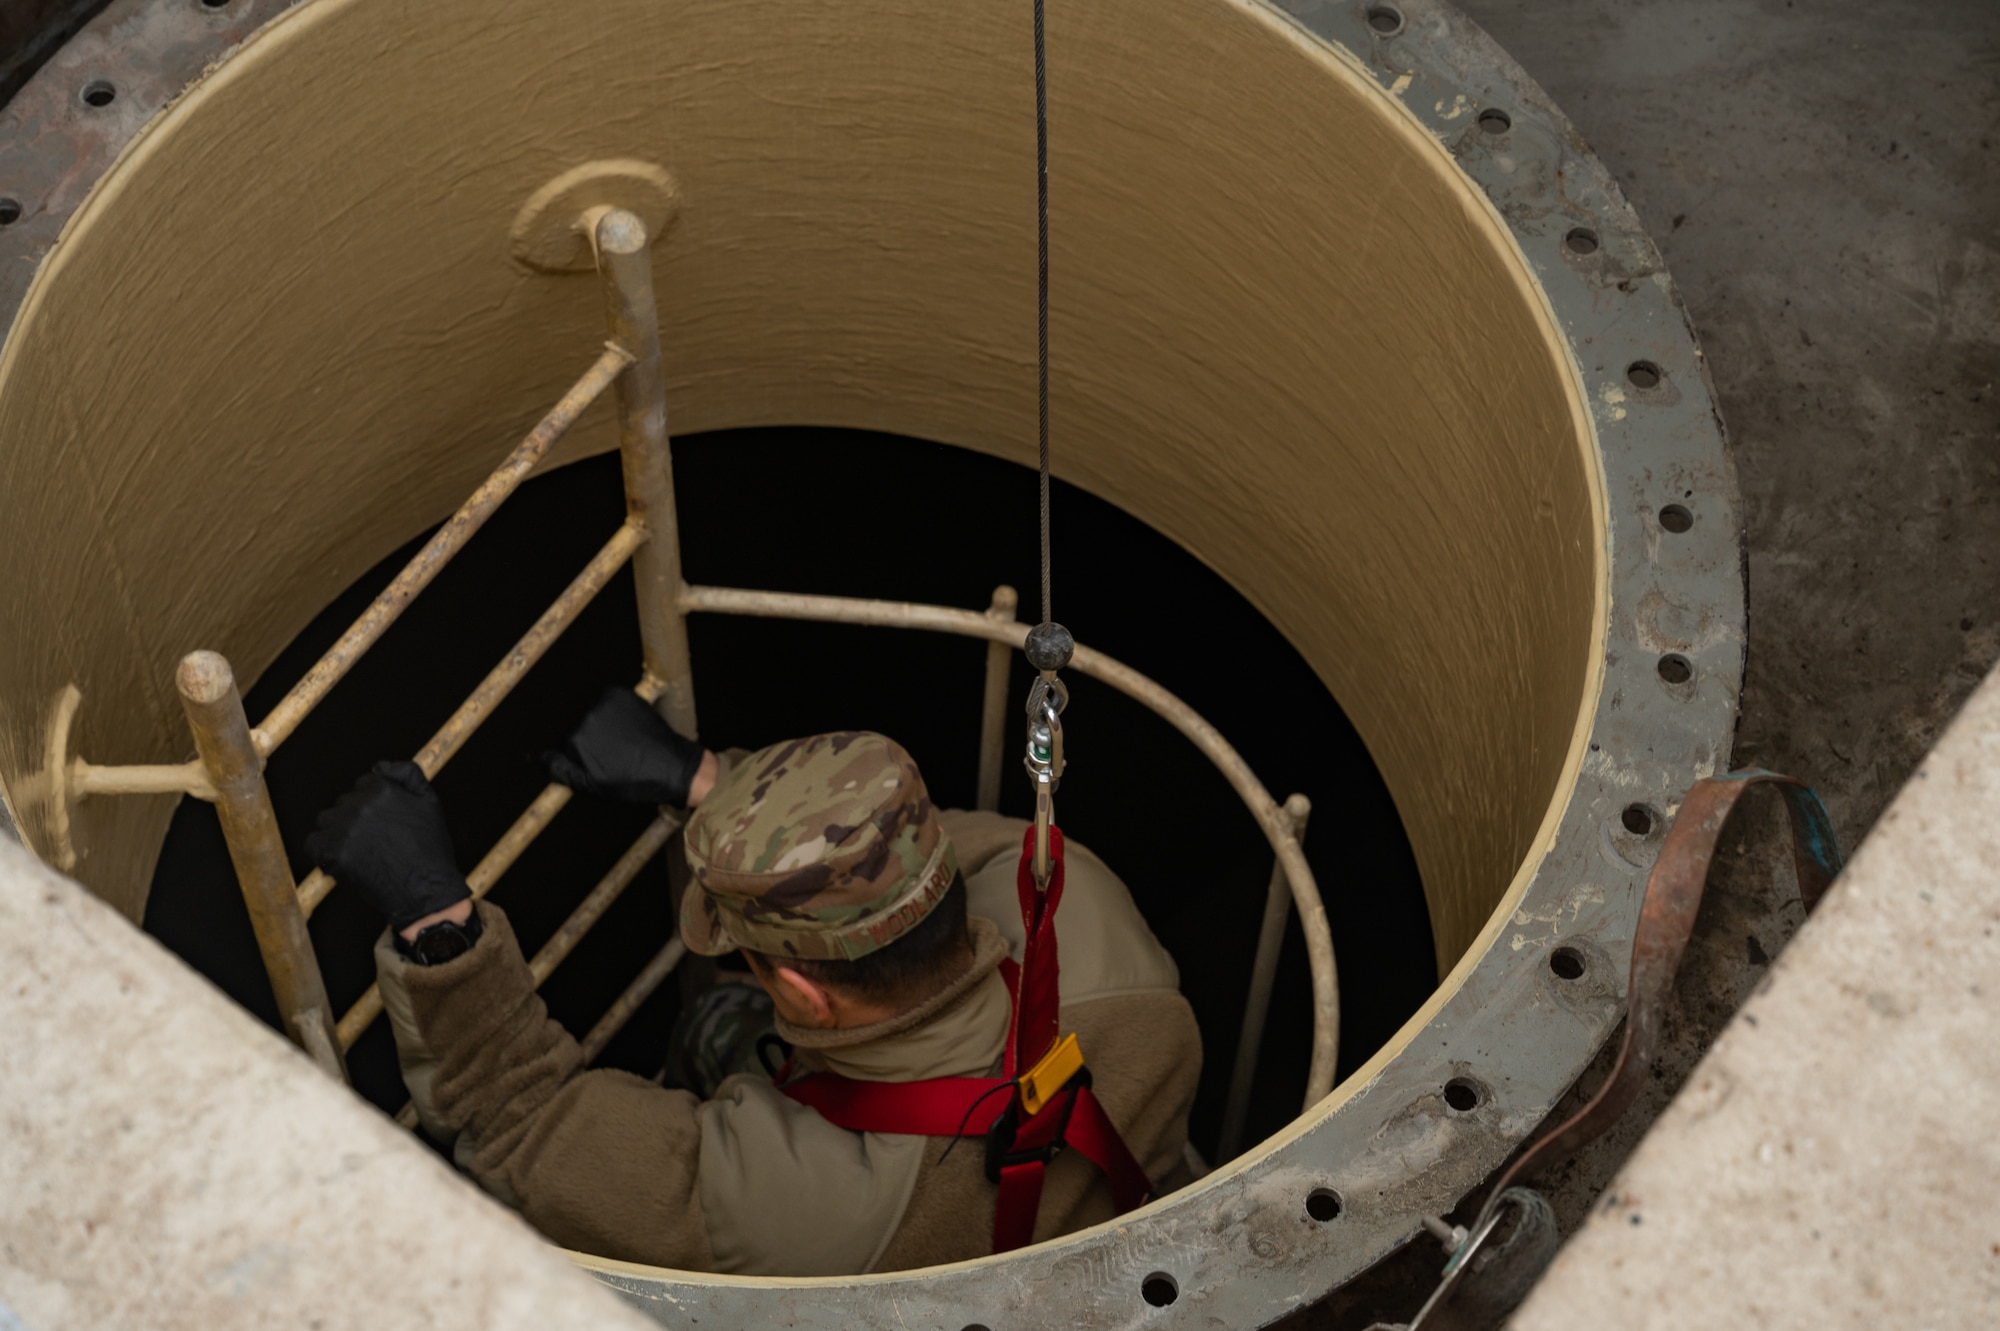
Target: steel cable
column 1042, row 291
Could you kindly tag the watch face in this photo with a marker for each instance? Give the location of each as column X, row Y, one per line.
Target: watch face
column 440, row 943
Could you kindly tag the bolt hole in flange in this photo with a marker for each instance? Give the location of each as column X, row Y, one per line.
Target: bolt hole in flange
column 1462, row 1095
column 1643, row 375
column 1159, row 1289
column 1495, row 121
column 10, row 211
column 99, row 93
column 1633, row 834
column 1385, row 20
column 1580, row 241
column 1567, row 963
column 1323, row 1204
column 1675, row 668
column 1676, row 519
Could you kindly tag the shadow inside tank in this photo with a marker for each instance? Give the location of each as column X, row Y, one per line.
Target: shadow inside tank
column 853, row 514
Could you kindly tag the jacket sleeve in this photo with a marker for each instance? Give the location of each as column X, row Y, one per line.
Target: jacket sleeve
column 603, row 1161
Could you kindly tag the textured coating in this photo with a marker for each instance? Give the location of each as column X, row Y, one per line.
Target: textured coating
column 1421, row 523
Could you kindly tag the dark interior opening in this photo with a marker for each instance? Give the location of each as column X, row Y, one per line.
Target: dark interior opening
column 855, row 514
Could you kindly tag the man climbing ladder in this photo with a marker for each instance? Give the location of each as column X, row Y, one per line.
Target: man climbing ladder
column 882, row 930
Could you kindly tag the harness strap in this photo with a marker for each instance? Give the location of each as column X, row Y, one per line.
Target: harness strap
column 1017, row 1152
column 1020, row 1201
column 1038, row 997
column 934, row 1108
column 1095, row 1138
column 948, row 1106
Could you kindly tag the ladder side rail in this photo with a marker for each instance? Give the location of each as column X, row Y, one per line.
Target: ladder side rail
column 625, row 263
column 214, row 709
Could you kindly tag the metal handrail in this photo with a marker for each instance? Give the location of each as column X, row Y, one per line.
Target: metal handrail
column 1263, row 976
column 1276, row 824
column 229, row 773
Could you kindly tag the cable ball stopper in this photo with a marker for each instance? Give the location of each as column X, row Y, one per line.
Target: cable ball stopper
column 1049, row 646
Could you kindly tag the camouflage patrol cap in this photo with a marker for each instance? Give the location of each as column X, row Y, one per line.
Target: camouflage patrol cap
column 825, row 848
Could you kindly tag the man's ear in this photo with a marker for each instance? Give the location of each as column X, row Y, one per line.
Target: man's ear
column 798, row 998
column 808, row 995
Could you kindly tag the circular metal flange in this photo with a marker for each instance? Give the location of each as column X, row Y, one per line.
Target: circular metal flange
column 1514, row 1024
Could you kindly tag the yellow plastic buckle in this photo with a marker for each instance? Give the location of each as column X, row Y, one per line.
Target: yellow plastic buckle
column 1040, row 1083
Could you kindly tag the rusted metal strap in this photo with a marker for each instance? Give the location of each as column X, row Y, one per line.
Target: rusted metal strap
column 1673, row 896
column 1674, row 891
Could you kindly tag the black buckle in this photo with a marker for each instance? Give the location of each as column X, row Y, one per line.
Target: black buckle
column 1000, row 1136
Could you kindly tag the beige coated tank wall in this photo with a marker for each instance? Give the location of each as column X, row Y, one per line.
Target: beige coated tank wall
column 285, row 334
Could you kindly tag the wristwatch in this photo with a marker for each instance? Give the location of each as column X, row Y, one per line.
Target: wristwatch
column 441, row 942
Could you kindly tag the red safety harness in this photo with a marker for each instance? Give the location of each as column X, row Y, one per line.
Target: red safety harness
column 1019, row 1145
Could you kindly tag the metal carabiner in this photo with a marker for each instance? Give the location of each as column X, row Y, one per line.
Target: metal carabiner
column 1049, row 647
column 1044, row 761
column 1046, row 701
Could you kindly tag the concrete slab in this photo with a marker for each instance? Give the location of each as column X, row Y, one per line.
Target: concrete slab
column 1823, row 180
column 1834, row 1160
column 170, row 1163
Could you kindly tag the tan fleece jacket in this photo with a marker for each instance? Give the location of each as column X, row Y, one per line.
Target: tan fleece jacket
column 753, row 1183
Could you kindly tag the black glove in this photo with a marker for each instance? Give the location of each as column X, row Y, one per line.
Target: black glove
column 387, row 840
column 623, row 750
